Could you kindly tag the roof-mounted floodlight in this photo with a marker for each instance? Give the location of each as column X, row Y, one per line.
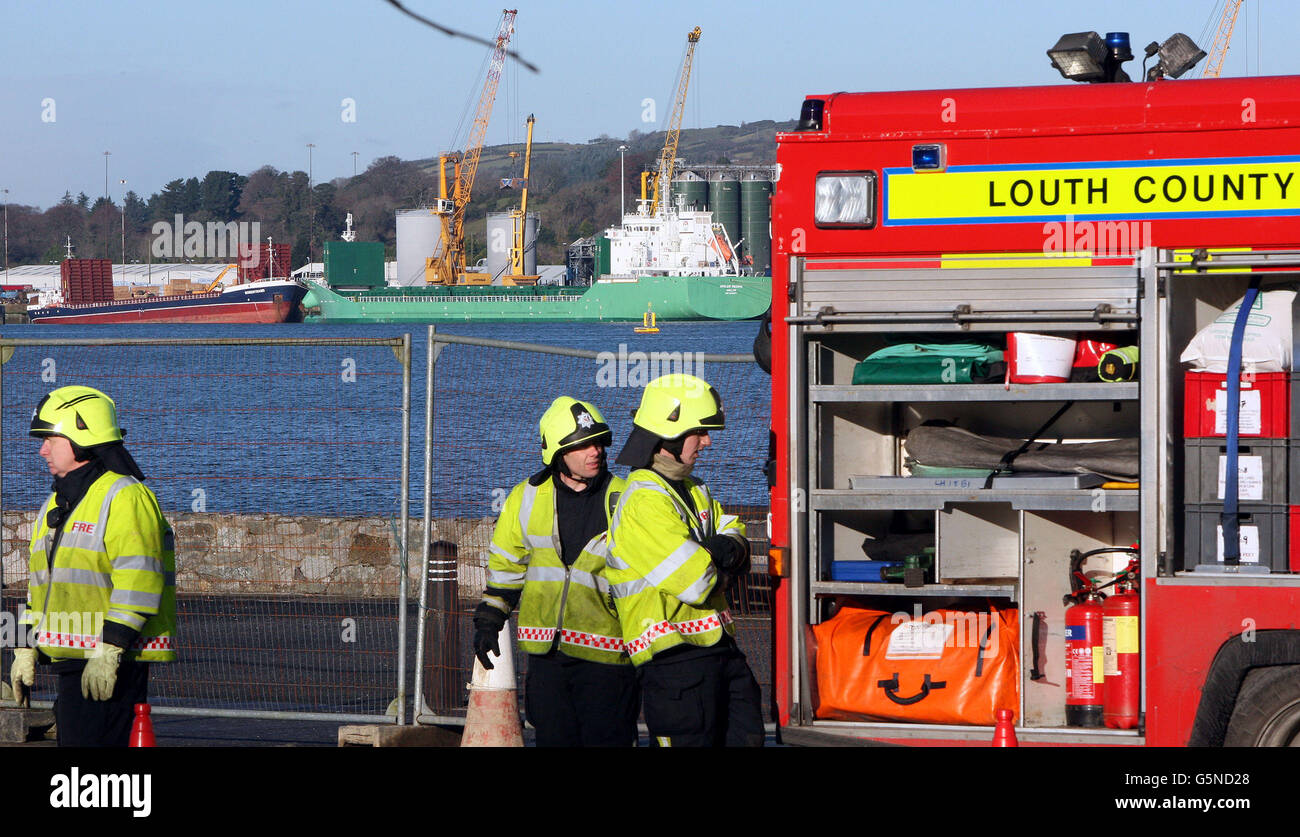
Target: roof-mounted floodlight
column 1079, row 56
column 1178, row 54
column 1084, row 56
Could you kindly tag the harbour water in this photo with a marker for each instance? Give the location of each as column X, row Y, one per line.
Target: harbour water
column 315, row 430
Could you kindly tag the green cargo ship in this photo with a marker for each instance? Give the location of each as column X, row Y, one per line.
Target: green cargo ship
column 611, row 299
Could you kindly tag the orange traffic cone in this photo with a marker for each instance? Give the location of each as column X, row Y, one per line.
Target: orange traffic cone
column 493, row 716
column 142, row 727
column 1004, row 734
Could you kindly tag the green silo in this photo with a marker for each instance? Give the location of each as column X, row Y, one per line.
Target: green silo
column 724, row 201
column 693, row 189
column 755, row 222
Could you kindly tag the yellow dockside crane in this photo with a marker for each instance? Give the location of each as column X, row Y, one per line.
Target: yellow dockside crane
column 1222, row 37
column 519, row 222
column 448, row 267
column 668, row 157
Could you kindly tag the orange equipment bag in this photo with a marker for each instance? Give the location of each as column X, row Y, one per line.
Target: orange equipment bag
column 946, row 667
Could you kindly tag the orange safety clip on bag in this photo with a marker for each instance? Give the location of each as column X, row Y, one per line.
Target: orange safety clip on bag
column 946, row 667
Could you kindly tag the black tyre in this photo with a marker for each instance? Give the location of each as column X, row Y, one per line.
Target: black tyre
column 1267, row 713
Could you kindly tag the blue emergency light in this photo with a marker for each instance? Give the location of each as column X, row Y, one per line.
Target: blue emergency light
column 929, row 157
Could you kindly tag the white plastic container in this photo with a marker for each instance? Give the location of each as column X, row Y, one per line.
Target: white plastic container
column 1039, row 358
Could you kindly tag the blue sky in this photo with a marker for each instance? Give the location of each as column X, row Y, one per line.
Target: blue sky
column 175, row 89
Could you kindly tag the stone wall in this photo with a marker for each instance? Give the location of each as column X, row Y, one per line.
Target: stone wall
column 266, row 554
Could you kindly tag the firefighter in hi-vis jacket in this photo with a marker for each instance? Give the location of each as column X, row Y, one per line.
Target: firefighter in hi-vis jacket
column 101, row 596
column 673, row 553
column 548, row 558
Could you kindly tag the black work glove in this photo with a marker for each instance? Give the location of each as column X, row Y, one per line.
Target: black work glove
column 729, row 555
column 488, row 622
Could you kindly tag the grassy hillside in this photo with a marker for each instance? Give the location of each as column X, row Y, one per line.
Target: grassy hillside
column 574, row 188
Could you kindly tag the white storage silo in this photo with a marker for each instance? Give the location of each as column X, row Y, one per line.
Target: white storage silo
column 500, row 238
column 419, row 237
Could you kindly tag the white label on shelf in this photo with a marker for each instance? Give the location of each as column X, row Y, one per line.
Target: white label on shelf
column 918, row 640
column 1247, row 539
column 1250, row 477
column 1249, row 416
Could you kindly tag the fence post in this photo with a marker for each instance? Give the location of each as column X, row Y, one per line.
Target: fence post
column 420, row 646
column 405, row 538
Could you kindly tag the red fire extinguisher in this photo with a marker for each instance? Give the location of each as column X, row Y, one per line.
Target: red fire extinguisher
column 1121, row 634
column 1083, row 659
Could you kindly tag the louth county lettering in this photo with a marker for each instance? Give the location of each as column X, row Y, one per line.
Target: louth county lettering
column 1092, row 192
column 1173, row 188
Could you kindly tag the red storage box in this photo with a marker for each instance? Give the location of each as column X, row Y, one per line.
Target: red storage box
column 1265, row 405
column 1294, row 546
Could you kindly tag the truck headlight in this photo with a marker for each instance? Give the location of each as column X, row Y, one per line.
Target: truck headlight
column 845, row 199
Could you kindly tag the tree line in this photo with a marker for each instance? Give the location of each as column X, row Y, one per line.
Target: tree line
column 574, row 189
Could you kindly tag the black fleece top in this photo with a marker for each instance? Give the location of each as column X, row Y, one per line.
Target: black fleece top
column 581, row 515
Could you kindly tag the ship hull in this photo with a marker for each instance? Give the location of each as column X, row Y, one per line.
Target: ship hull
column 670, row 298
column 258, row 303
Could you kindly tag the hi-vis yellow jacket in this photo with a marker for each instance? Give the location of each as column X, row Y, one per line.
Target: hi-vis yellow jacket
column 572, row 604
column 114, row 562
column 664, row 581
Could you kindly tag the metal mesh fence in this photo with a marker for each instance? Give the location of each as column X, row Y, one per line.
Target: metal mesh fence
column 279, row 464
column 486, row 403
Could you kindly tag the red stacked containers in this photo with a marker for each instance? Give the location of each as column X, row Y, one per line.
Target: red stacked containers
column 86, row 280
column 270, row 261
column 1265, row 469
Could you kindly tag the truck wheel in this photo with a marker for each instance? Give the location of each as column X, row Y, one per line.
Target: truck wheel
column 1267, row 713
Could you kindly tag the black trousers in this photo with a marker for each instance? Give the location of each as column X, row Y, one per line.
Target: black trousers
column 702, row 700
column 98, row 723
column 577, row 703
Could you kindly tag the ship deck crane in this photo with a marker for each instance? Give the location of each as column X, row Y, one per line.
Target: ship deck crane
column 212, row 286
column 668, row 157
column 448, row 267
column 1218, row 52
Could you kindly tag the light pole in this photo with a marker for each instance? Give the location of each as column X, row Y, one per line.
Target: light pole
column 123, row 182
column 6, row 192
column 107, row 154
column 311, row 204
column 622, row 184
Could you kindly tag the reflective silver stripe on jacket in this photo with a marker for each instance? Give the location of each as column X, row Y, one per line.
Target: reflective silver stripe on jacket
column 135, row 598
column 673, row 562
column 697, row 591
column 127, row 617
column 526, row 503
column 576, row 576
column 90, row 578
column 148, row 563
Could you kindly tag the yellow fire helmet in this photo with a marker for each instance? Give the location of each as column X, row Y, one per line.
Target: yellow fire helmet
column 671, row 407
column 86, row 416
column 569, row 423
column 675, row 405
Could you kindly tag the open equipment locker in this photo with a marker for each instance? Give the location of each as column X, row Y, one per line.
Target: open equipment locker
column 848, row 429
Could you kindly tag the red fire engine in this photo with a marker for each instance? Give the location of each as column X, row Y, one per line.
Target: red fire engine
column 1123, row 214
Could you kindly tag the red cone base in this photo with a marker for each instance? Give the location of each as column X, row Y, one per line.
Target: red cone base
column 1004, row 734
column 492, row 719
column 142, row 727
